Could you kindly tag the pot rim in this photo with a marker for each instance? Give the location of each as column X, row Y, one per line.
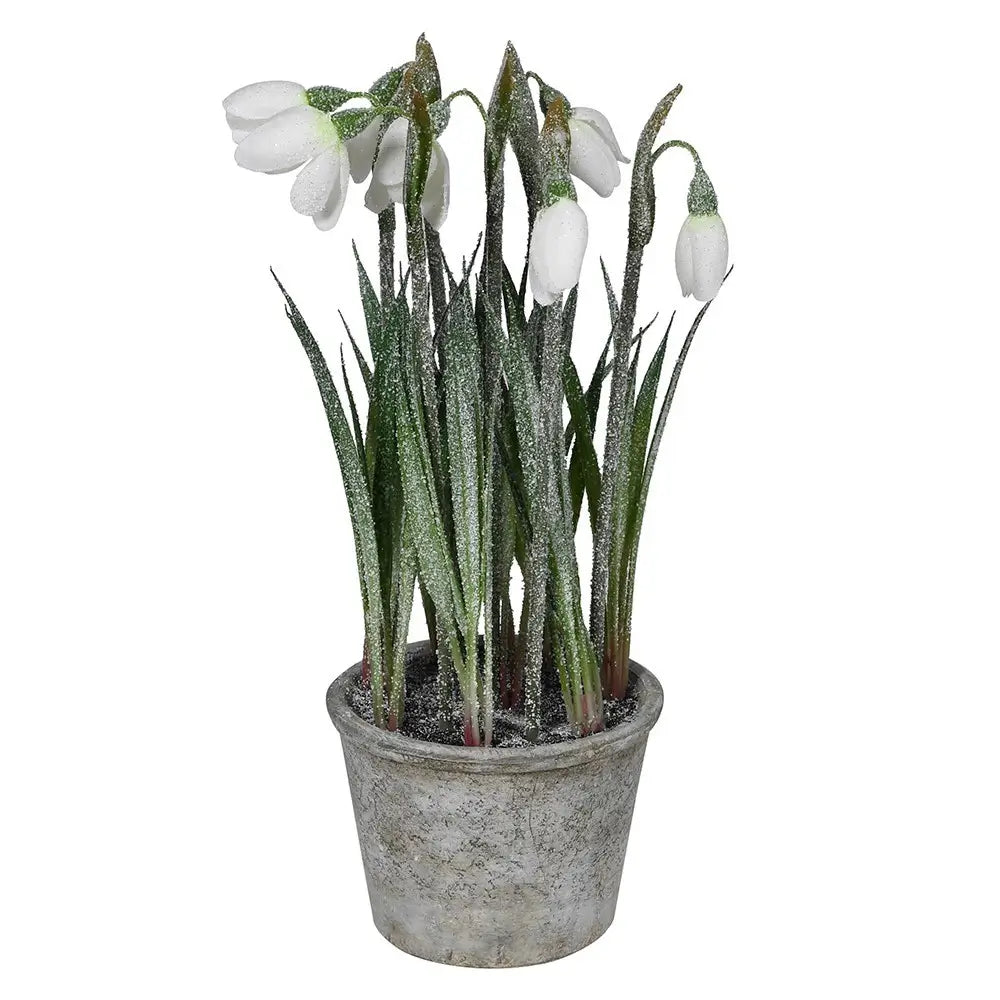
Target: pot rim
column 547, row 757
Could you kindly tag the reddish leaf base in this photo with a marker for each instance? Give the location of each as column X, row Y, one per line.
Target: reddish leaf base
column 593, row 716
column 470, row 733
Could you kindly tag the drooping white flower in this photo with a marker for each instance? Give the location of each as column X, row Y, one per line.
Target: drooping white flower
column 361, row 150
column 594, row 153
column 252, row 105
column 702, row 255
column 558, row 243
column 289, row 139
column 386, row 185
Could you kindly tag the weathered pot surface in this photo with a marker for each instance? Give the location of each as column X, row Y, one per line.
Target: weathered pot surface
column 493, row 857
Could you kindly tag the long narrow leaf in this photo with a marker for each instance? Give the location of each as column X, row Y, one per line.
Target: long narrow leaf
column 366, row 372
column 358, row 433
column 654, row 447
column 358, row 499
column 584, row 474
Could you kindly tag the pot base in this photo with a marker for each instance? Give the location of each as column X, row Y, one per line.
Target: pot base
column 494, row 857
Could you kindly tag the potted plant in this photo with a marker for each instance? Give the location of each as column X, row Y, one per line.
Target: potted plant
column 493, row 767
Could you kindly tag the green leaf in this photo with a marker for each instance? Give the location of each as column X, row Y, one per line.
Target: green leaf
column 654, row 447
column 356, row 490
column 513, row 305
column 327, row 99
column 612, row 298
column 522, row 130
column 427, row 77
column 423, row 511
column 383, row 90
column 619, row 518
column 464, row 418
column 510, row 456
column 569, row 318
column 366, row 372
column 643, row 416
column 373, row 312
column 358, row 434
column 584, row 473
column 525, row 406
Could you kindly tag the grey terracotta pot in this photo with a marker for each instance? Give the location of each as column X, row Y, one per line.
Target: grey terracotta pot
column 493, row 857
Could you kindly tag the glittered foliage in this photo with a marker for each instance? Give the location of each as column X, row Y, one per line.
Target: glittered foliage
column 464, row 430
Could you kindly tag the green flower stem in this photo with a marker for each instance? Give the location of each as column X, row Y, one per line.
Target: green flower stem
column 640, row 231
column 391, row 111
column 435, row 265
column 464, row 92
column 543, row 512
column 331, row 99
column 386, row 254
column 418, row 154
column 546, row 94
column 672, row 144
column 701, row 193
column 507, row 104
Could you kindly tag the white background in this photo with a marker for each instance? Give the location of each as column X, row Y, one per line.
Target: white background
column 818, row 588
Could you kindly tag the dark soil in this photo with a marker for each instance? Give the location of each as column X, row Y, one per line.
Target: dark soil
column 423, row 721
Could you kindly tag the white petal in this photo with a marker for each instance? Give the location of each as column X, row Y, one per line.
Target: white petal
column 558, row 243
column 327, row 218
column 391, row 160
column 238, row 124
column 682, row 259
column 317, row 180
column 603, row 127
column 540, row 291
column 377, row 197
column 362, row 150
column 437, row 190
column 709, row 255
column 259, row 101
column 240, row 134
column 591, row 158
column 287, row 140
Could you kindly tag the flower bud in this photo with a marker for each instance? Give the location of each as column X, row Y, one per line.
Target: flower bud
column 558, row 243
column 702, row 252
column 702, row 255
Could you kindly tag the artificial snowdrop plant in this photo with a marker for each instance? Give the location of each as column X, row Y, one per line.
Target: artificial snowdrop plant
column 467, row 446
column 476, row 449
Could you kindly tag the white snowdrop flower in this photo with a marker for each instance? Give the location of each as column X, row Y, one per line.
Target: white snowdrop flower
column 252, row 105
column 288, row 140
column 386, row 185
column 702, row 255
column 594, row 153
column 558, row 243
column 361, row 150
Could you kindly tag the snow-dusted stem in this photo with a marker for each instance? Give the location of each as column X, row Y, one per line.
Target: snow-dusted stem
column 387, row 253
column 640, row 230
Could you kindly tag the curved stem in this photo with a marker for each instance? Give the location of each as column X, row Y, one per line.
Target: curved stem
column 392, row 109
column 464, row 92
column 670, row 145
column 701, row 194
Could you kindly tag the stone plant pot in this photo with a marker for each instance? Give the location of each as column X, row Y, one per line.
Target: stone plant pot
column 493, row 857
